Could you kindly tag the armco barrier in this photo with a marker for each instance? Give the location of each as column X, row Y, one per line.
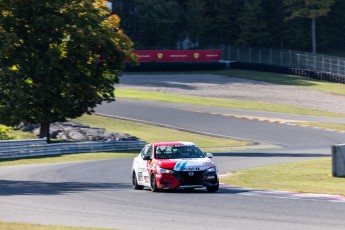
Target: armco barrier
column 24, row 142
column 39, row 147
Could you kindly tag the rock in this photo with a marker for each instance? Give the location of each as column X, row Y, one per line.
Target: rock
column 77, row 135
column 78, row 132
column 27, row 127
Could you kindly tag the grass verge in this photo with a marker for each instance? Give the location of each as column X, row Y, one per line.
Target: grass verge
column 311, row 176
column 220, row 102
column 68, row 158
column 149, row 133
column 23, row 226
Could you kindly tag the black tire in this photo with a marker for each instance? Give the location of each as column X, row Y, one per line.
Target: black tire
column 153, row 183
column 212, row 188
column 136, row 186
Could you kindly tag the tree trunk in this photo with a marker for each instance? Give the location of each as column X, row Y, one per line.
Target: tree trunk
column 313, row 35
column 44, row 131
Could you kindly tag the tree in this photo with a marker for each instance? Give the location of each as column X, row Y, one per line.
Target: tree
column 311, row 9
column 224, row 26
column 274, row 15
column 127, row 11
column 197, row 22
column 58, row 59
column 253, row 28
column 331, row 29
column 157, row 22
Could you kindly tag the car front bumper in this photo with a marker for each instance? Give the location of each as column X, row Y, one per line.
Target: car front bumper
column 187, row 179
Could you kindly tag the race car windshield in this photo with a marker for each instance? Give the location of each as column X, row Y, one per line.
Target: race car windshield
column 177, row 152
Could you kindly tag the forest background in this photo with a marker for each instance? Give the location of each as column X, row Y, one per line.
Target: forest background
column 305, row 25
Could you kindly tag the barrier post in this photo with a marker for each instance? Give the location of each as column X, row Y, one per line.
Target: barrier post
column 338, row 161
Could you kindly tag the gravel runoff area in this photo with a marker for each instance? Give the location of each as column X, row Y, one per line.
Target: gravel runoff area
column 210, row 85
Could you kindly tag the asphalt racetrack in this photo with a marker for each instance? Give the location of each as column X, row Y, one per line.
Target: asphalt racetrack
column 100, row 194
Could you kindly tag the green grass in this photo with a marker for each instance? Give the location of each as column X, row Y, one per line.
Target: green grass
column 22, row 226
column 148, row 133
column 17, row 134
column 285, row 79
column 68, row 158
column 220, row 102
column 311, row 176
column 151, row 133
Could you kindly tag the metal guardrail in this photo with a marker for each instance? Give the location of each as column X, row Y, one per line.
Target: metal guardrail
column 40, row 147
column 24, row 142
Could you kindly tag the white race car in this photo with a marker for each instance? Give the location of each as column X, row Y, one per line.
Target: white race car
column 172, row 165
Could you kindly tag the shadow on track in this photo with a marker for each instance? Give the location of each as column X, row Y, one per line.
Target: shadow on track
column 222, row 190
column 12, row 188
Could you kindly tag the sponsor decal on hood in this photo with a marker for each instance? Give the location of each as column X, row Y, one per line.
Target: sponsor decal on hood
column 186, row 164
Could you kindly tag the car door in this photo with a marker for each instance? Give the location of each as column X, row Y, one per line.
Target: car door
column 142, row 166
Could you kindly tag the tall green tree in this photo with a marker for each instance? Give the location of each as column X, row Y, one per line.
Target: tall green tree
column 274, row 17
column 127, row 10
column 58, row 59
column 157, row 22
column 197, row 20
column 224, row 28
column 253, row 27
column 331, row 28
column 311, row 9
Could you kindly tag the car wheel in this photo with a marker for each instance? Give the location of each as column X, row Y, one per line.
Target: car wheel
column 136, row 186
column 153, row 181
column 212, row 188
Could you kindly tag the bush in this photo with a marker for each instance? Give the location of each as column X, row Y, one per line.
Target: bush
column 4, row 130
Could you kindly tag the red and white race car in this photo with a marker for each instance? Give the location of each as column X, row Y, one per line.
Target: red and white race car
column 171, row 165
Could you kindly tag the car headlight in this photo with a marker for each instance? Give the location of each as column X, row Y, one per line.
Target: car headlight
column 163, row 170
column 212, row 169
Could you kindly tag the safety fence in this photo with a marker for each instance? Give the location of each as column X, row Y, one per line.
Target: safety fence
column 317, row 66
column 40, row 147
column 288, row 58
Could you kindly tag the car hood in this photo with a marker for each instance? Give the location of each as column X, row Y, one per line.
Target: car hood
column 186, row 164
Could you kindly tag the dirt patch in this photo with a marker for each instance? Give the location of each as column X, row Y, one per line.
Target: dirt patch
column 209, row 85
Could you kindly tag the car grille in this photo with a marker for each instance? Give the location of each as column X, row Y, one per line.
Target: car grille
column 186, row 179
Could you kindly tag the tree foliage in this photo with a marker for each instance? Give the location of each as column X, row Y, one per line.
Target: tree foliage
column 253, row 30
column 224, row 27
column 311, row 9
column 50, row 59
column 151, row 23
column 247, row 22
column 197, row 21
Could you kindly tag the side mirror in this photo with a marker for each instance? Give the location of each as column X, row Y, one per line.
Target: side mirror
column 146, row 158
column 209, row 155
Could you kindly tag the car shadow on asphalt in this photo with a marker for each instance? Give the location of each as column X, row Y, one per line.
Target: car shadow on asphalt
column 222, row 190
column 12, row 188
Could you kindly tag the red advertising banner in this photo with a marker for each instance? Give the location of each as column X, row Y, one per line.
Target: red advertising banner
column 178, row 55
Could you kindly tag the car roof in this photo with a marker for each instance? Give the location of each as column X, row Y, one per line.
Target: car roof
column 172, row 143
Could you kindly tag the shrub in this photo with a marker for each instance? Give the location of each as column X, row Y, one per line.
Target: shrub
column 4, row 130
